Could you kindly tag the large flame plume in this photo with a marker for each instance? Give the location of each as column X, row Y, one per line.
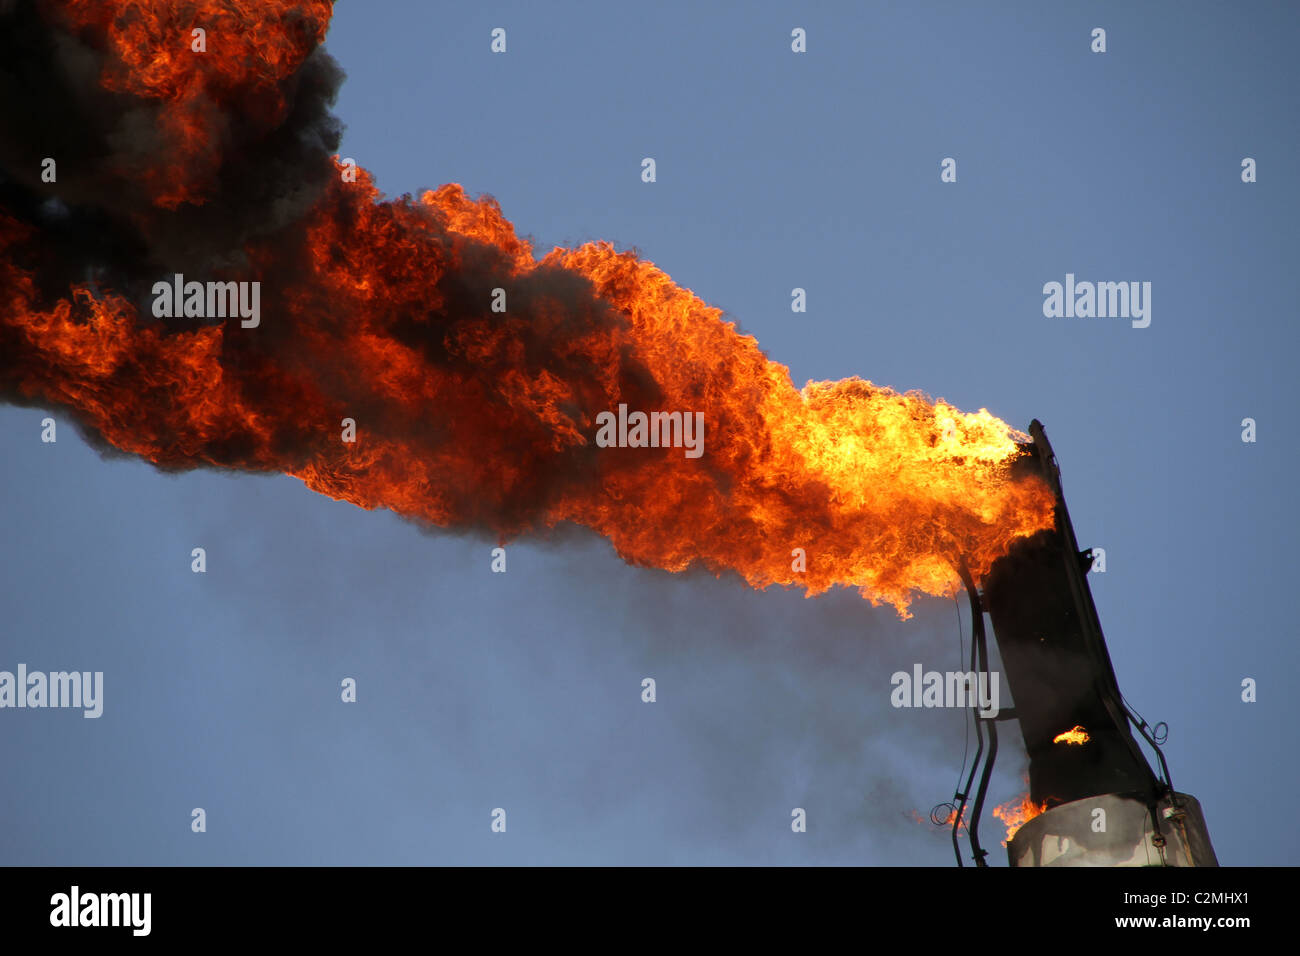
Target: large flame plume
column 222, row 165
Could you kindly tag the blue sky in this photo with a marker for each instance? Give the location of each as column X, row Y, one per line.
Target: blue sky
column 775, row 170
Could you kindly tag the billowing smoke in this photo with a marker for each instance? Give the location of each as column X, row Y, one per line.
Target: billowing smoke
column 414, row 354
column 169, row 174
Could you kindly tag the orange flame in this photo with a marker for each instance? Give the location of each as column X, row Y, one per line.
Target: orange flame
column 379, row 310
column 1017, row 812
column 250, row 47
column 947, row 822
column 1075, row 735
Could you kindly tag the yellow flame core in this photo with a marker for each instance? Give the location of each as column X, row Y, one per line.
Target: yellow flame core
column 1075, row 735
